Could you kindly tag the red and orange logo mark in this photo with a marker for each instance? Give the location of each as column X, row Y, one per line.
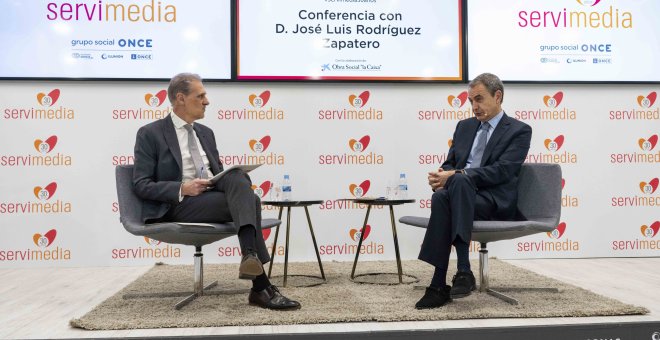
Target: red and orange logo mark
column 558, row 232
column 260, row 145
column 648, row 101
column 355, row 233
column 151, row 241
column 359, row 101
column 263, row 189
column 554, row 101
column 359, row 190
column 44, row 240
column 45, row 193
column 48, row 99
column 45, row 146
column 650, row 187
column 554, row 144
column 652, row 230
column 458, row 101
column 260, row 100
column 649, row 143
column 359, row 145
column 588, row 2
column 155, row 100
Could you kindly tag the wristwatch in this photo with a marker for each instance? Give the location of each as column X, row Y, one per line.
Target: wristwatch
column 459, row 172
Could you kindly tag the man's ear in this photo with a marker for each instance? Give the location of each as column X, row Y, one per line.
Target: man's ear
column 498, row 97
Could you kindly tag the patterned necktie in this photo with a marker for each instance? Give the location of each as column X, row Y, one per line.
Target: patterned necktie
column 481, row 145
column 200, row 170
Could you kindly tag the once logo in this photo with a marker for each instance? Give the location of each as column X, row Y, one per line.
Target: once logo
column 260, row 100
column 359, row 145
column 554, row 145
column 554, row 101
column 261, row 145
column 263, row 189
column 45, row 146
column 558, row 232
column 648, row 144
column 48, row 99
column 359, row 101
column 650, row 187
column 155, row 100
column 359, row 190
column 650, row 231
column 45, row 240
column 458, row 101
column 648, row 101
column 45, row 193
column 355, row 234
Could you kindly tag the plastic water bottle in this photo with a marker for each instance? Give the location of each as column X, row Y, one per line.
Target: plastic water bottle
column 403, row 187
column 286, row 188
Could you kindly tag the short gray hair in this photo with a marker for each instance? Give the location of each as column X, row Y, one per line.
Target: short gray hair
column 490, row 81
column 180, row 83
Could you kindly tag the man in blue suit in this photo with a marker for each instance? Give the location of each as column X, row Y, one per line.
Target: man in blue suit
column 174, row 159
column 477, row 182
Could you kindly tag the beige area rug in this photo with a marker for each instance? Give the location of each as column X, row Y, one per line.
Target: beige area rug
column 338, row 300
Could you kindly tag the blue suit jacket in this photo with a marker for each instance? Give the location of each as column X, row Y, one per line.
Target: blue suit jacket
column 504, row 154
column 157, row 173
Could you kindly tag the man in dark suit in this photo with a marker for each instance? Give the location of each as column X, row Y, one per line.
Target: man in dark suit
column 477, row 182
column 171, row 175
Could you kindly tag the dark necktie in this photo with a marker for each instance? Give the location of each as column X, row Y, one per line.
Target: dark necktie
column 200, row 170
column 481, row 145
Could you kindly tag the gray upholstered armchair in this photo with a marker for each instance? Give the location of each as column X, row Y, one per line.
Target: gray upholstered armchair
column 193, row 234
column 539, row 200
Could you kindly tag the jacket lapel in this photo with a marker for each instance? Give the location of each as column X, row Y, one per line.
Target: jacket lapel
column 208, row 149
column 172, row 141
column 499, row 132
column 466, row 144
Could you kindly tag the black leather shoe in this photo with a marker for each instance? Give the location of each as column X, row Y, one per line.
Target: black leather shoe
column 434, row 298
column 462, row 285
column 250, row 266
column 271, row 298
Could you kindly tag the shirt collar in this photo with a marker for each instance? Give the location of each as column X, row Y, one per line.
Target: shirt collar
column 178, row 122
column 496, row 120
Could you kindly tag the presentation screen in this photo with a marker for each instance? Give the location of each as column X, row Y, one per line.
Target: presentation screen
column 349, row 40
column 124, row 39
column 565, row 40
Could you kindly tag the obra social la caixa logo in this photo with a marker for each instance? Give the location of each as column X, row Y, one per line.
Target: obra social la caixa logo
column 260, row 155
column 45, row 157
column 46, row 204
column 557, row 243
column 45, row 250
column 648, row 199
column 258, row 109
column 555, row 152
column 154, row 109
column 154, row 249
column 649, row 241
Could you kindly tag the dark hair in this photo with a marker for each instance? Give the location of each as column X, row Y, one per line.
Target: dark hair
column 490, row 81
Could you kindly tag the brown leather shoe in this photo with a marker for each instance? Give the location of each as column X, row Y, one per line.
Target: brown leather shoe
column 271, row 298
column 250, row 266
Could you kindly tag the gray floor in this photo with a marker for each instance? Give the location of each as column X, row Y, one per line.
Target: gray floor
column 38, row 303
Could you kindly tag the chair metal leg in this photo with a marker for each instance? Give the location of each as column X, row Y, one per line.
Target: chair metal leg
column 497, row 291
column 198, row 286
column 357, row 253
column 272, row 253
column 396, row 245
column 316, row 248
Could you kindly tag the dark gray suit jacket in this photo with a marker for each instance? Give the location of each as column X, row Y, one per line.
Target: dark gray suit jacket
column 158, row 170
column 504, row 154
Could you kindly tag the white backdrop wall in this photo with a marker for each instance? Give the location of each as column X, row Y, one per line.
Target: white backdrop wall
column 62, row 140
